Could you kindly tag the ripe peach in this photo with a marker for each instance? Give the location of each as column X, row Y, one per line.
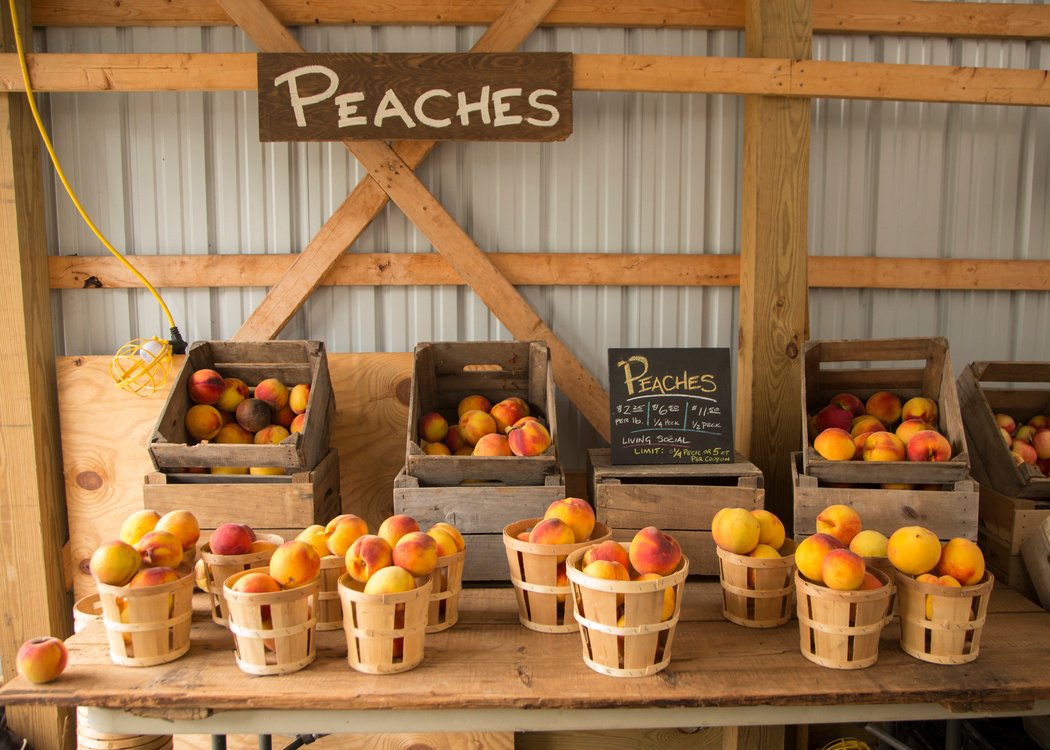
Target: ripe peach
column 884, row 446
column 453, row 440
column 446, row 545
column 236, row 390
column 528, row 437
column 928, row 445
column 577, row 513
column 833, row 415
column 206, row 386
column 367, row 555
column 273, row 392
column 962, row 560
column 453, row 532
column 266, row 471
column 284, row 417
column 525, row 419
column 735, row 530
column 155, row 577
column 137, row 524
column 230, row 539
column 436, row 449
column 884, row 406
column 1039, row 422
column 475, row 424
column 652, row 551
column 390, row 580
column 849, row 402
column 1024, row 452
column 314, row 536
column 42, row 659
column 115, row 563
column 416, row 552
column 552, row 531
column 809, row 557
column 342, row 531
column 835, row 444
column 160, row 549
column 492, row 444
column 869, row 582
column 1006, row 422
column 233, row 434
column 913, row 550
column 299, row 398
column 433, row 427
column 260, row 545
column 561, row 579
column 935, row 580
column 507, row 412
column 771, row 528
column 608, row 570
column 842, row 570
column 473, row 402
column 669, row 596
column 228, row 470
column 203, row 421
column 271, row 434
column 763, row 551
column 869, row 543
column 841, row 521
column 607, row 550
column 865, row 423
column 1041, row 443
column 909, row 427
column 921, row 408
column 256, row 583
column 1025, row 433
column 297, row 424
column 183, row 524
column 466, row 450
column 295, row 564
column 394, row 527
column 253, row 414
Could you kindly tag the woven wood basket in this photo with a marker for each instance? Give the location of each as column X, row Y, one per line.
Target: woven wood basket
column 217, row 568
column 92, row 739
column 543, row 605
column 384, row 632
column 148, row 625
column 757, row 592
column 642, row 645
column 444, row 594
column 273, row 633
column 329, row 605
column 86, row 611
column 952, row 635
column 841, row 629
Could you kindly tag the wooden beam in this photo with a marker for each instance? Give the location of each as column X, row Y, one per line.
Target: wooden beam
column 506, row 303
column 774, row 299
column 547, row 269
column 263, row 28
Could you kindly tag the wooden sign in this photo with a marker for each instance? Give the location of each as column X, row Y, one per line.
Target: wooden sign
column 444, row 97
column 670, row 406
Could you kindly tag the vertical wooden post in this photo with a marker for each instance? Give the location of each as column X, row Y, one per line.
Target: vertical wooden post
column 33, row 596
column 774, row 296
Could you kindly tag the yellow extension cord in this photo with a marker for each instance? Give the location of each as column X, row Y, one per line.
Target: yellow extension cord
column 846, row 743
column 141, row 366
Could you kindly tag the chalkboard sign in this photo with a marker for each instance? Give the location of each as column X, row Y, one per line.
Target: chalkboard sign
column 670, row 406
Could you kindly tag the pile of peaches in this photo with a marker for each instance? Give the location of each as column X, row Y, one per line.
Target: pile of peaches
column 879, row 429
column 1028, row 443
column 149, row 549
column 482, row 428
column 227, row 410
column 755, row 533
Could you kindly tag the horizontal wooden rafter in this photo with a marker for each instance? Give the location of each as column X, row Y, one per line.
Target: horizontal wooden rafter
column 549, row 269
column 652, row 73
column 894, row 17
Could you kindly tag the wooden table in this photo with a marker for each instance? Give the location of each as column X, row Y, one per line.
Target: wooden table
column 488, row 673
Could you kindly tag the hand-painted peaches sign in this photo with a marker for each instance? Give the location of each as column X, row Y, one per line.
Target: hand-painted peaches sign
column 445, row 97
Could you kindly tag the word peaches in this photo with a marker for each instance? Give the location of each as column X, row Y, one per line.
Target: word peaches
column 481, row 428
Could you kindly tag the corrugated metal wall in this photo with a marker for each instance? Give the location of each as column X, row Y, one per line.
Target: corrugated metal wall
column 185, row 173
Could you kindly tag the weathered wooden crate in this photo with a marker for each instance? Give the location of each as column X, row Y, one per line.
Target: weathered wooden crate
column 291, row 362
column 480, row 511
column 443, row 373
column 1036, row 555
column 679, row 499
column 824, row 376
column 1020, row 389
column 283, row 505
column 1011, row 519
column 949, row 512
column 1007, row 566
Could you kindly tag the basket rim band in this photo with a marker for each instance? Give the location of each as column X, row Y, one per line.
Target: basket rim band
column 373, row 633
column 145, row 627
column 758, row 593
column 274, row 633
column 621, row 672
column 646, row 629
column 838, row 664
column 953, row 625
column 538, row 589
column 872, row 628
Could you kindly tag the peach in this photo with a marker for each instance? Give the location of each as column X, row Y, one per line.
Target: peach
column 577, row 513
column 552, row 531
column 342, row 531
column 390, row 580
column 834, row 416
column 1043, row 464
column 154, row 577
column 669, row 596
column 849, row 402
column 206, row 386
column 506, row 413
column 273, row 392
column 866, row 423
column 437, row 449
column 1006, row 422
column 962, row 560
column 115, row 563
column 523, row 536
column 230, row 539
column 42, row 659
column 835, row 444
column 295, row 564
column 232, row 433
column 523, row 420
column 842, row 570
column 528, row 437
column 475, row 424
column 909, row 427
column 884, row 446
column 446, row 545
column 452, row 531
column 137, row 524
column 299, row 398
column 228, row 470
column 1024, row 433
column 913, row 550
column 841, row 521
column 260, row 545
column 433, row 427
column 256, row 583
column 314, row 536
column 453, row 440
column 416, row 552
column 1007, row 438
column 1024, row 453
column 1041, row 443
column 608, row 570
column 367, row 555
column 394, row 527
column 183, row 524
column 236, row 390
column 928, row 445
column 869, row 543
column 253, row 414
column 607, row 550
column 160, row 549
column 492, row 444
column 763, row 551
column 934, row 580
column 203, row 422
column 1039, row 422
column 525, row 410
column 271, row 471
column 884, row 406
column 809, row 557
column 869, row 582
column 921, row 408
column 771, row 528
column 652, row 551
column 466, row 450
column 284, row 417
column 561, row 579
column 735, row 530
column 297, row 424
column 470, row 403
column 271, row 434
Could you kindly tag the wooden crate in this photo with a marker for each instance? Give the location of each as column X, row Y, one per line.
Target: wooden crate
column 283, row 505
column 1011, row 519
column 679, row 499
column 1036, row 555
column 479, row 511
column 950, row 512
column 291, row 362
column 443, row 373
column 933, row 379
column 1020, row 389
column 1008, row 567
